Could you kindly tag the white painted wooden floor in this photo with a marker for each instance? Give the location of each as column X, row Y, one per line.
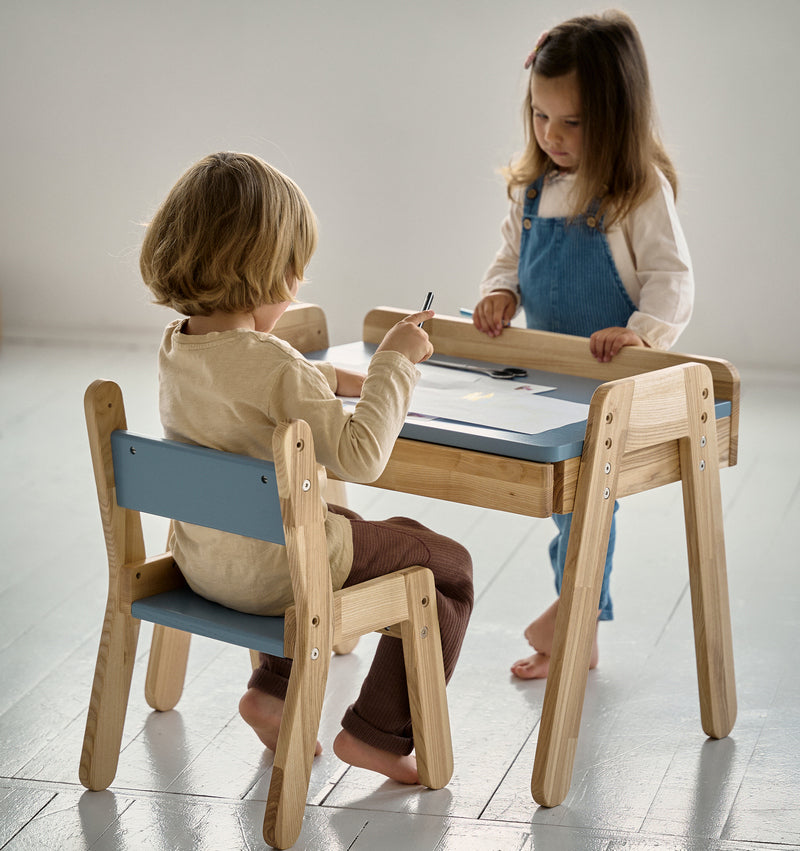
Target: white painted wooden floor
column 196, row 778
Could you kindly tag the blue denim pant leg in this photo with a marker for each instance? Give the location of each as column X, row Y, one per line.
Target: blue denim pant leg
column 558, row 557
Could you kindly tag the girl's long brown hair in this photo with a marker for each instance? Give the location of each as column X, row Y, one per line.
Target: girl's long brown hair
column 620, row 142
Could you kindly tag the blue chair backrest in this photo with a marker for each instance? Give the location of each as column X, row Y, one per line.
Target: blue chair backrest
column 195, row 484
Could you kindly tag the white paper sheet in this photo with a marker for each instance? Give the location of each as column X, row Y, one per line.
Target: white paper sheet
column 479, row 400
column 508, row 405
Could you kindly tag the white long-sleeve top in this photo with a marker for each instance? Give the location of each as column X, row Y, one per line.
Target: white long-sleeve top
column 648, row 247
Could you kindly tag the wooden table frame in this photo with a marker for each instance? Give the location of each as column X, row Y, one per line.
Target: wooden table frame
column 650, row 423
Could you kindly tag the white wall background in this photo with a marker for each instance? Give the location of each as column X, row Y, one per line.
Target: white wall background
column 393, row 117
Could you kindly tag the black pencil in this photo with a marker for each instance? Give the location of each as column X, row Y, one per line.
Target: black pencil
column 427, row 305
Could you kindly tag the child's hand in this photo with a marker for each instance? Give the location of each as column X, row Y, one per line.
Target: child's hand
column 604, row 344
column 409, row 339
column 348, row 383
column 494, row 312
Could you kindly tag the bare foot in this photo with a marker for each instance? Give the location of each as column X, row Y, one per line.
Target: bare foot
column 540, row 634
column 353, row 751
column 263, row 713
column 537, row 667
column 532, row 667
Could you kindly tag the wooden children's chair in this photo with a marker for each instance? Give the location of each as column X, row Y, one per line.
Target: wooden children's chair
column 282, row 503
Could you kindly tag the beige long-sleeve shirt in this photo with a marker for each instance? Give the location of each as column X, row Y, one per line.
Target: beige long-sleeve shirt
column 649, row 250
column 229, row 390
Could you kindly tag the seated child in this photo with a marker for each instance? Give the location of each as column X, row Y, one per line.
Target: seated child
column 227, row 249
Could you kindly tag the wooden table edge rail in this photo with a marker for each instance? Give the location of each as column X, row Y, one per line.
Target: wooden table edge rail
column 534, row 488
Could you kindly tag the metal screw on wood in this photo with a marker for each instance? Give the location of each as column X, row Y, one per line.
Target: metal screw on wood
column 607, row 468
column 702, row 465
column 315, row 653
column 306, row 485
column 606, row 493
column 423, row 633
column 703, row 440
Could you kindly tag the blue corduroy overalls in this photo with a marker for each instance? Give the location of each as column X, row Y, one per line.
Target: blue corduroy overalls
column 570, row 284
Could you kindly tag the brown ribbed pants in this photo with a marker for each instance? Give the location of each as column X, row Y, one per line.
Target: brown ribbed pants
column 381, row 716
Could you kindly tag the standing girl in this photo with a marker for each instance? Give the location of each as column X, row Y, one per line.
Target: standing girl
column 592, row 245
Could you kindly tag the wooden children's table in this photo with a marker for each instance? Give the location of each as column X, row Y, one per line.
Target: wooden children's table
column 654, row 418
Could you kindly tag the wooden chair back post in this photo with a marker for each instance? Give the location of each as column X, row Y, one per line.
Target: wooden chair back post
column 299, row 479
column 122, row 529
column 626, row 416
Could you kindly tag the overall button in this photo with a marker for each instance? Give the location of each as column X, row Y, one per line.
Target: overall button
column 532, row 193
column 526, row 223
column 591, row 221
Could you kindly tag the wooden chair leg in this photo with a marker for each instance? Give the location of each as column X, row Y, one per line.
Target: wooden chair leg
column 111, row 686
column 109, row 699
column 297, row 740
column 707, row 568
column 166, row 667
column 576, row 620
column 166, row 664
column 422, row 651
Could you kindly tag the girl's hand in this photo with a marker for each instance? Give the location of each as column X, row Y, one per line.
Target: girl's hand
column 604, row 344
column 348, row 383
column 494, row 312
column 409, row 339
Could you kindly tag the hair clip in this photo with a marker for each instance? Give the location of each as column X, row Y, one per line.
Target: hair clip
column 539, row 42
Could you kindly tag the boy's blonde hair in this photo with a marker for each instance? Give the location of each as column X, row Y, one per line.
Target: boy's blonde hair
column 230, row 233
column 620, row 142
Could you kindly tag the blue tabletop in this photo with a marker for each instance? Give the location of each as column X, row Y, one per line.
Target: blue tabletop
column 557, row 444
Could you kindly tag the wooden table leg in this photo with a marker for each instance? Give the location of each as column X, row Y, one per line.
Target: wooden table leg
column 576, row 620
column 705, row 540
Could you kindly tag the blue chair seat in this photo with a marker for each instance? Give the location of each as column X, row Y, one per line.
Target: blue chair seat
column 183, row 609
